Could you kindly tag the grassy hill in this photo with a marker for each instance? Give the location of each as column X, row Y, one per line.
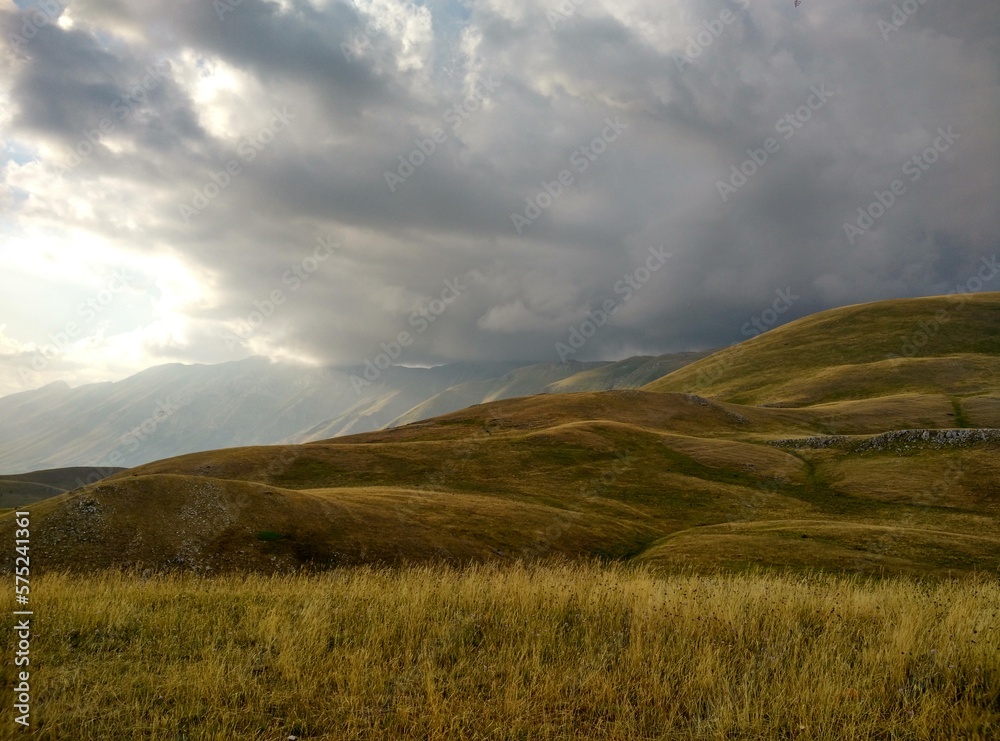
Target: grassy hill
column 633, row 500
column 941, row 345
column 671, row 479
column 614, row 475
column 17, row 490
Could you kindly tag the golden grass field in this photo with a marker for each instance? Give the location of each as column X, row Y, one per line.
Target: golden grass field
column 794, row 538
column 558, row 651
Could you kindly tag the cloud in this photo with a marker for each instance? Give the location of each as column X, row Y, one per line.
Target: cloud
column 209, row 146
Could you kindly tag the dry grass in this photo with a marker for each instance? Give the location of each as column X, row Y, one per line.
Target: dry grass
column 907, row 548
column 489, row 652
column 857, row 352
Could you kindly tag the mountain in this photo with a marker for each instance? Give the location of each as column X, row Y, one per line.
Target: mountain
column 174, row 409
column 885, row 479
column 17, row 490
column 550, row 378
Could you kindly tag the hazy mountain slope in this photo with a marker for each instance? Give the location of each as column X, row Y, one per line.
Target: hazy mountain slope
column 526, row 381
column 174, row 409
column 940, row 345
column 550, row 378
column 629, row 373
column 161, row 411
column 19, row 489
column 393, row 393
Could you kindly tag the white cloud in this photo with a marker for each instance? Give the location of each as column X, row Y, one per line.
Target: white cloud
column 228, row 100
column 408, row 25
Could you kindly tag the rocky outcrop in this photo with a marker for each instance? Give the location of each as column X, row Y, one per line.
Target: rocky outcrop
column 896, row 440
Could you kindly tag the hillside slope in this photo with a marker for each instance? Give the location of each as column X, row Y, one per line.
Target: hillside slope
column 20, row 489
column 907, row 482
column 175, row 409
column 941, row 345
column 608, row 475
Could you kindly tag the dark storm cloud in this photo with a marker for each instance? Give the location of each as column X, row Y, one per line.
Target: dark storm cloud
column 844, row 104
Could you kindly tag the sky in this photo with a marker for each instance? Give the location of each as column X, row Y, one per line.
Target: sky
column 324, row 182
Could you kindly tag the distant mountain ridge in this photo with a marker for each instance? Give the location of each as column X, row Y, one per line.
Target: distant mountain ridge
column 18, row 490
column 624, row 374
column 174, row 409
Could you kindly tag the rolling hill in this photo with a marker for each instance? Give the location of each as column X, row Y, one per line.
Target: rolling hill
column 174, row 409
column 946, row 345
column 20, row 489
column 889, row 477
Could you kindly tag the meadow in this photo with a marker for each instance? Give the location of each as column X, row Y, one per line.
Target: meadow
column 810, row 552
column 545, row 651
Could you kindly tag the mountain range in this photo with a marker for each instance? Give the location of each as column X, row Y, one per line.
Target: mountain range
column 173, row 409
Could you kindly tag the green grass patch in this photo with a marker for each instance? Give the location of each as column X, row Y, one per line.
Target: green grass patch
column 960, row 419
column 270, row 535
